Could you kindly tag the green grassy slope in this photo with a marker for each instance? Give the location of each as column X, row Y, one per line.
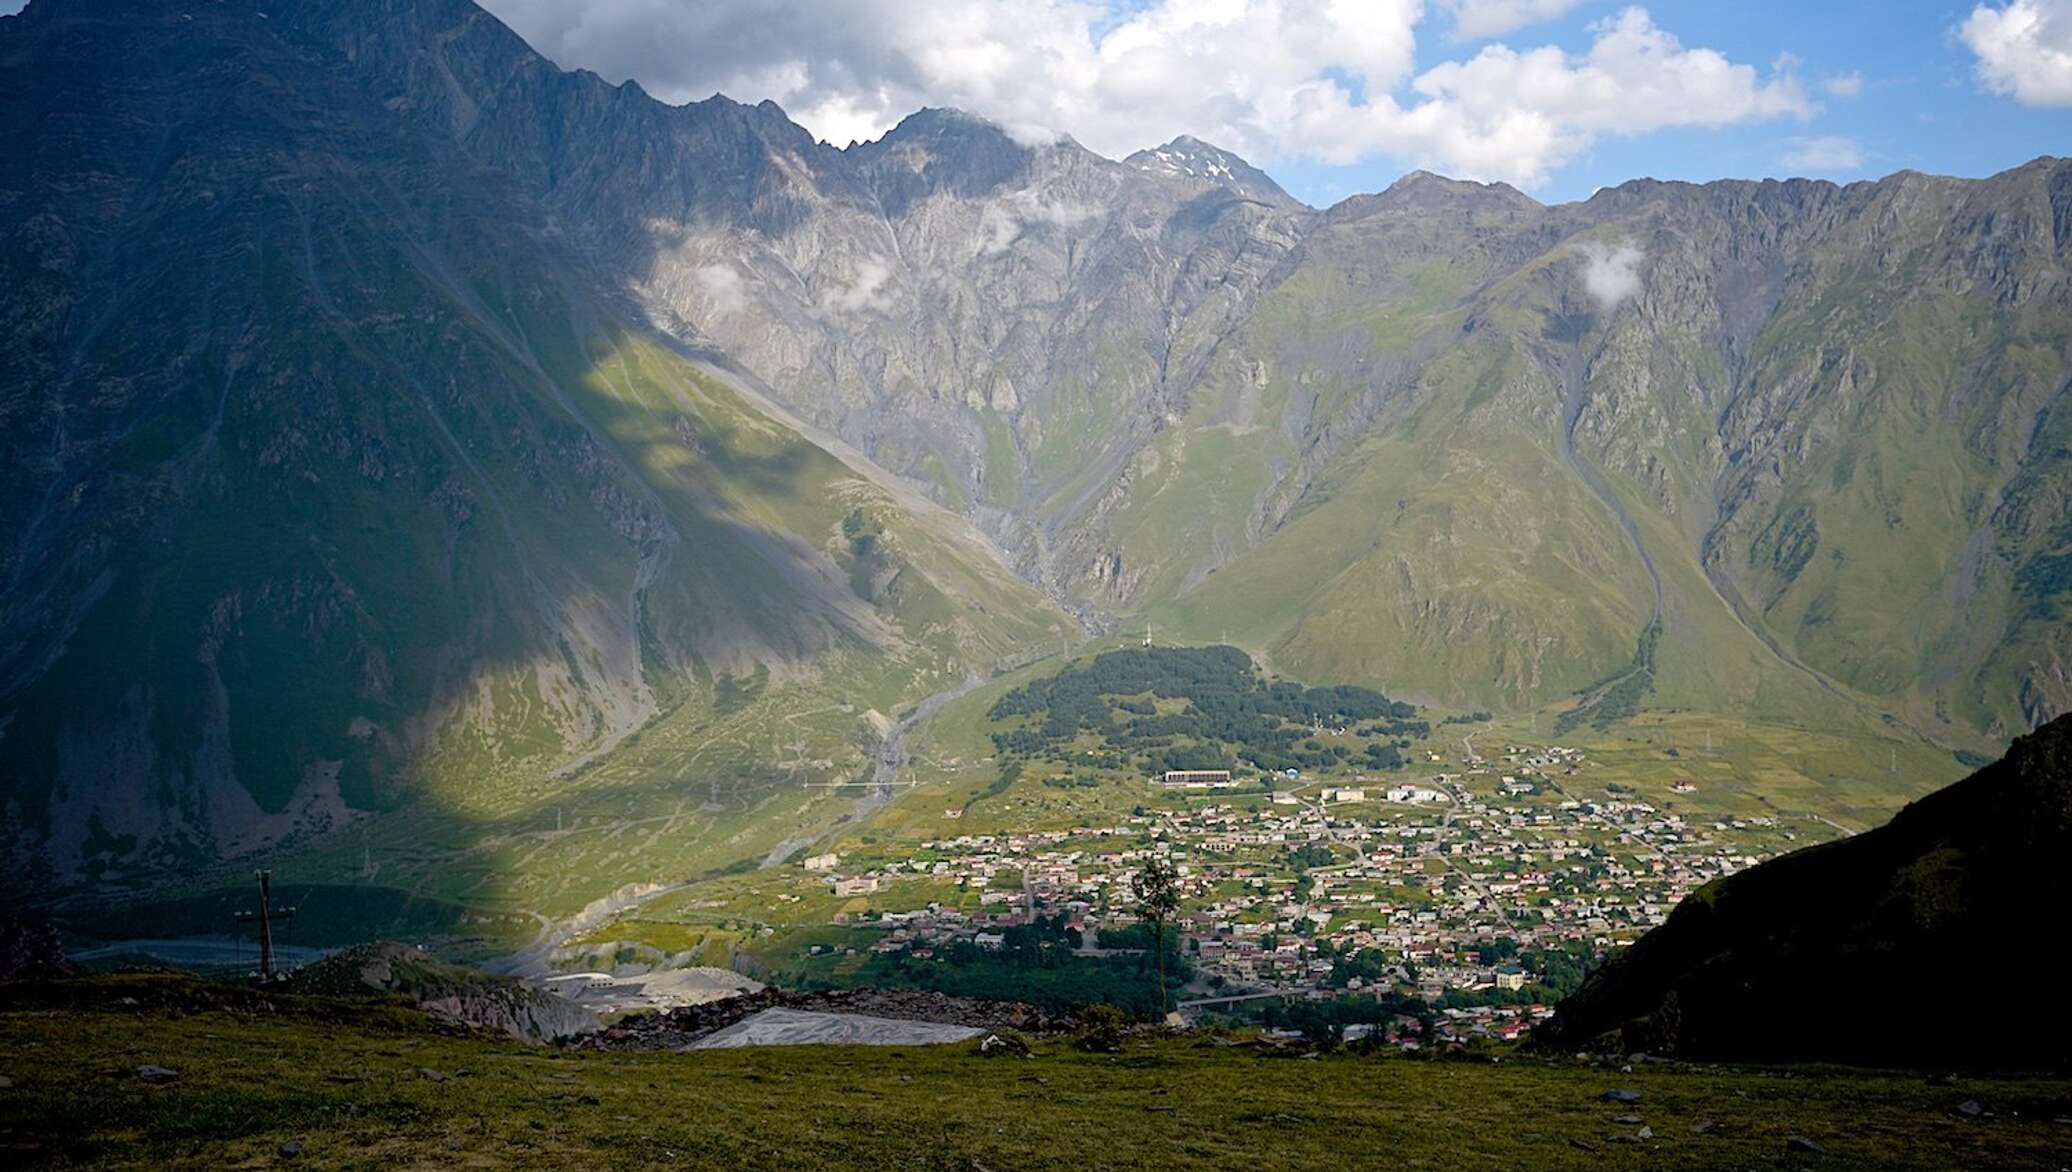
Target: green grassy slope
column 1831, row 422
column 365, row 1086
column 384, row 523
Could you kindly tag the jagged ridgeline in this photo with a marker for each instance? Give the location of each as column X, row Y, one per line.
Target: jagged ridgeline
column 1159, row 708
column 340, row 483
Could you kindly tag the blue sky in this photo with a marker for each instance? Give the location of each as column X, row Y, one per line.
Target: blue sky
column 1333, row 97
column 1921, row 107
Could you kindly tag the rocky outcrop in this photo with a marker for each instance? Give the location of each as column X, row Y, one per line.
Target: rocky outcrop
column 447, row 991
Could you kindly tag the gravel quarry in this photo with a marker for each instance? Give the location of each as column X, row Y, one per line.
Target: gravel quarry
column 805, row 1027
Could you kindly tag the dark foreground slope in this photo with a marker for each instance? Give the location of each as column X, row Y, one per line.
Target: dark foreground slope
column 357, row 1084
column 1857, row 950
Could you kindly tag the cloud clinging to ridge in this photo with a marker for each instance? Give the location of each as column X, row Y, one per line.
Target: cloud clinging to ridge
column 1334, row 81
column 1611, row 272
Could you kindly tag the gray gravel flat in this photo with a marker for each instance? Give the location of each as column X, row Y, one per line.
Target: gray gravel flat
column 801, row 1027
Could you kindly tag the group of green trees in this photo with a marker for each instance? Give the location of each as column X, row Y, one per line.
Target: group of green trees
column 1325, row 1021
column 1230, row 714
column 1034, row 963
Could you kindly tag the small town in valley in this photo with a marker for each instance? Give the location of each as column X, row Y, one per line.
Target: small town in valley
column 1480, row 890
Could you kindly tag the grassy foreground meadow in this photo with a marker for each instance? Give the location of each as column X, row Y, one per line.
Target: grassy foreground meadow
column 273, row 1080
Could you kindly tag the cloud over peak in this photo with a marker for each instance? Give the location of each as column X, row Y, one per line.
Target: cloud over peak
column 1335, row 81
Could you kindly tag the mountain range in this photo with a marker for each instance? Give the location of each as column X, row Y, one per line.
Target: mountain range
column 389, row 415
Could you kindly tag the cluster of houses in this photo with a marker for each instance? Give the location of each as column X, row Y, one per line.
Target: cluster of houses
column 1427, row 881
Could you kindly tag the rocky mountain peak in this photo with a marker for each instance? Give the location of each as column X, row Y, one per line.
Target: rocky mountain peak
column 945, row 132
column 940, row 149
column 1426, row 192
column 1189, row 158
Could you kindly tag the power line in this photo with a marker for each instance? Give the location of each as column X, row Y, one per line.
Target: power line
column 265, row 917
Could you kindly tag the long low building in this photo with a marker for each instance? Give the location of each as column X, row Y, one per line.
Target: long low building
column 1197, row 778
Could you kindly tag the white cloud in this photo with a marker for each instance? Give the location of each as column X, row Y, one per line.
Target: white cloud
column 865, row 291
column 722, row 288
column 1844, row 85
column 1476, row 19
column 1827, row 153
column 2024, row 49
column 1329, row 80
column 1611, row 272
column 1003, row 219
column 1518, row 115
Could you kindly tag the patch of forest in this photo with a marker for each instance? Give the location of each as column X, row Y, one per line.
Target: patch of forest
column 1159, row 708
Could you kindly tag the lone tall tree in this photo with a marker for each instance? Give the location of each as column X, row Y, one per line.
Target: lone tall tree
column 1157, row 891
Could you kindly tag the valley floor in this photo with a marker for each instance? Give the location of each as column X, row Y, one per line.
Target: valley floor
column 368, row 1085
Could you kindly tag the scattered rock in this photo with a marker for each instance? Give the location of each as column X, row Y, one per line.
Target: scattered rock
column 1583, row 1144
column 1970, row 1109
column 1645, row 1133
column 1628, row 1119
column 1003, row 1046
column 1622, row 1139
column 291, row 1149
column 1705, row 1127
column 429, row 1075
column 1799, row 1143
column 1620, row 1095
column 6, row 1083
column 156, row 1074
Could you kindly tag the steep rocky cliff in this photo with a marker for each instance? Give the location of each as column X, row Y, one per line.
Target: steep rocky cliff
column 1813, row 430
column 337, row 475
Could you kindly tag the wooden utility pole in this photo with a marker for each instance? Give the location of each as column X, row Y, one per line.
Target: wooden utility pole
column 265, row 917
